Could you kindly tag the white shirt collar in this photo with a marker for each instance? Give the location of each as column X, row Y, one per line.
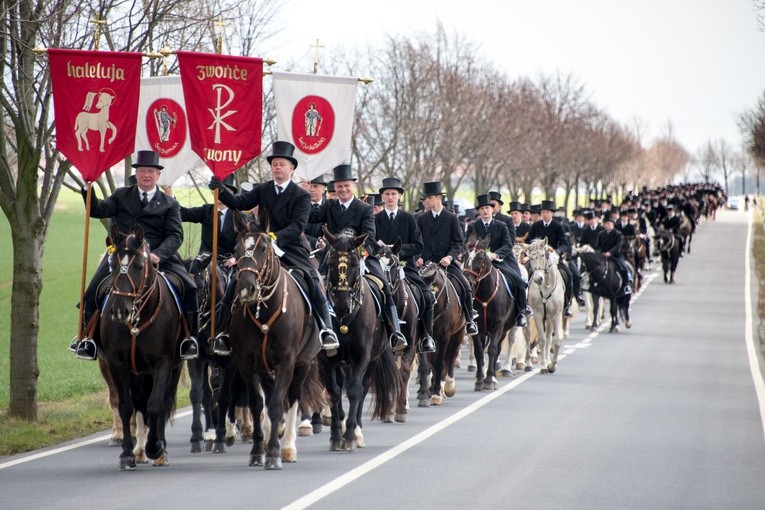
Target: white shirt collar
column 346, row 204
column 149, row 194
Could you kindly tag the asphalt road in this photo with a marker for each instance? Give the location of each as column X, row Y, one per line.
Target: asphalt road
column 667, row 414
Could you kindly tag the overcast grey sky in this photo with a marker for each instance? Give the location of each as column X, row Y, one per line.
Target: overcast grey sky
column 696, row 63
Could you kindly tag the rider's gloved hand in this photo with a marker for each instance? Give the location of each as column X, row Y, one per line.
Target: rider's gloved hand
column 214, row 183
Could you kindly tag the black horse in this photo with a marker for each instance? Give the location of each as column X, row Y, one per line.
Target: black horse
column 140, row 332
column 409, row 304
column 365, row 358
column 605, row 282
column 496, row 313
column 274, row 340
column 668, row 246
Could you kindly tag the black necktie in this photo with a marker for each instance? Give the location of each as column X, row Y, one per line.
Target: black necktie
column 343, row 208
column 279, row 190
column 144, row 200
column 220, row 220
column 486, row 226
column 392, row 217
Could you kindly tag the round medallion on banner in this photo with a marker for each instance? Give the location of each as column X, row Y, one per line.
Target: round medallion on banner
column 313, row 124
column 166, row 127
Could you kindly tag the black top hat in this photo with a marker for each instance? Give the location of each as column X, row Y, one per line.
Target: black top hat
column 515, row 206
column 319, row 180
column 588, row 215
column 578, row 212
column 607, row 218
column 342, row 173
column 632, row 210
column 496, row 195
column 147, row 158
column 281, row 149
column 482, row 200
column 373, row 199
column 431, row 188
column 547, row 205
column 535, row 208
column 525, row 208
column 669, row 207
column 391, row 183
column 623, row 212
column 330, row 187
column 471, row 213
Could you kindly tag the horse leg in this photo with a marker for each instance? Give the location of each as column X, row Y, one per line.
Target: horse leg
column 354, row 392
column 289, row 448
column 423, row 372
column 114, row 403
column 275, row 392
column 452, row 353
column 305, row 428
column 437, row 374
column 255, row 404
column 224, row 402
column 614, row 316
column 197, row 369
column 157, row 414
column 121, row 382
column 478, row 342
column 330, row 377
column 405, row 375
column 490, row 382
column 471, row 354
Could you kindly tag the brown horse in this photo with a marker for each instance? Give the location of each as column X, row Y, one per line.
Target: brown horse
column 408, row 304
column 274, row 340
column 633, row 252
column 365, row 358
column 496, row 315
column 140, row 332
column 448, row 333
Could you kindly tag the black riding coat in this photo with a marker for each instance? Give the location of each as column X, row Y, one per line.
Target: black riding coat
column 441, row 236
column 610, row 242
column 556, row 236
column 404, row 227
column 500, row 243
column 204, row 215
column 590, row 235
column 507, row 220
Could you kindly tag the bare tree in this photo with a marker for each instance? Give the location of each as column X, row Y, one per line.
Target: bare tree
column 740, row 162
column 707, row 161
column 723, row 153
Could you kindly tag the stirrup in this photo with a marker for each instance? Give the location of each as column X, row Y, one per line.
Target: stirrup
column 329, row 340
column 398, row 342
column 189, row 348
column 567, row 312
column 471, row 328
column 73, row 344
column 627, row 289
column 87, row 350
column 426, row 344
column 221, row 347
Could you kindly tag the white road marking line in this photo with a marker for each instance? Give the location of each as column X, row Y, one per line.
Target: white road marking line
column 62, row 449
column 754, row 367
column 343, row 480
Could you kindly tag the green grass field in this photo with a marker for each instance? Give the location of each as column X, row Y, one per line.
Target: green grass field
column 62, row 376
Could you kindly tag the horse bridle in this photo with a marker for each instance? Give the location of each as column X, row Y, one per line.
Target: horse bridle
column 548, row 265
column 480, row 274
column 263, row 273
column 356, row 291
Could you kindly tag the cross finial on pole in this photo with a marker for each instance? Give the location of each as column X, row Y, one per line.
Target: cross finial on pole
column 97, row 36
column 316, row 56
column 219, row 25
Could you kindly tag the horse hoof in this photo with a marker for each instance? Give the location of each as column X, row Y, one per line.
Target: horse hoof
column 628, row 324
column 326, row 421
column 436, row 400
column 478, row 386
column 423, row 402
column 218, row 447
column 489, row 386
column 247, row 438
column 552, row 367
column 197, row 447
column 273, row 464
column 334, row 445
column 458, row 363
column 230, row 441
column 140, row 458
column 400, row 418
column 257, row 459
column 471, row 368
column 208, row 445
column 317, row 428
column 127, row 463
column 289, row 455
column 305, row 430
column 162, row 460
column 528, row 369
column 450, row 390
column 348, row 445
column 115, row 442
column 505, row 373
column 519, row 366
column 388, row 419
column 534, row 359
column 544, row 371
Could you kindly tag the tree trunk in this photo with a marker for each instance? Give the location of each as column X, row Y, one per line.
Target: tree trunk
column 25, row 314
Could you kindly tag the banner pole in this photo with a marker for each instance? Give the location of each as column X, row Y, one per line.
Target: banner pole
column 214, row 263
column 84, row 262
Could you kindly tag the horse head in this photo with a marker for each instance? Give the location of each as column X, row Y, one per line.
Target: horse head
column 589, row 257
column 344, row 270
column 541, row 259
column 257, row 266
column 388, row 255
column 478, row 264
column 133, row 273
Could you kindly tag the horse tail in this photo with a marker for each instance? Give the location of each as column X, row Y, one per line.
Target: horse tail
column 313, row 395
column 385, row 382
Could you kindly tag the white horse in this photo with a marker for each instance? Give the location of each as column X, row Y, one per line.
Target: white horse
column 546, row 298
column 98, row 121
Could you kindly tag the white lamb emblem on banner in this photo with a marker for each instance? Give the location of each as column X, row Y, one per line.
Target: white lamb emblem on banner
column 98, row 121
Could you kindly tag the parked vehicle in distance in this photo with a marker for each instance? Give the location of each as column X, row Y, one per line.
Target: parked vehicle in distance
column 734, row 203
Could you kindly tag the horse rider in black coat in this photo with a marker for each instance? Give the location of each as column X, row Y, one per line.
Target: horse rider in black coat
column 288, row 206
column 316, row 188
column 501, row 248
column 443, row 241
column 557, row 239
column 576, row 227
column 516, row 216
column 496, row 211
column 672, row 222
column 610, row 244
column 203, row 215
column 393, row 223
column 348, row 212
column 146, row 205
column 591, row 230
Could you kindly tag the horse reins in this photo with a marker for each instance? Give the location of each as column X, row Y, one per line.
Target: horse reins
column 342, row 286
column 480, row 275
column 547, row 267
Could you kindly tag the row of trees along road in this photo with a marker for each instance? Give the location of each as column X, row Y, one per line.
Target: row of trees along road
column 436, row 111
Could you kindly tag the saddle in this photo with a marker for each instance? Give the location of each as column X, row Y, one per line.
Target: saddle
column 376, row 286
column 299, row 277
